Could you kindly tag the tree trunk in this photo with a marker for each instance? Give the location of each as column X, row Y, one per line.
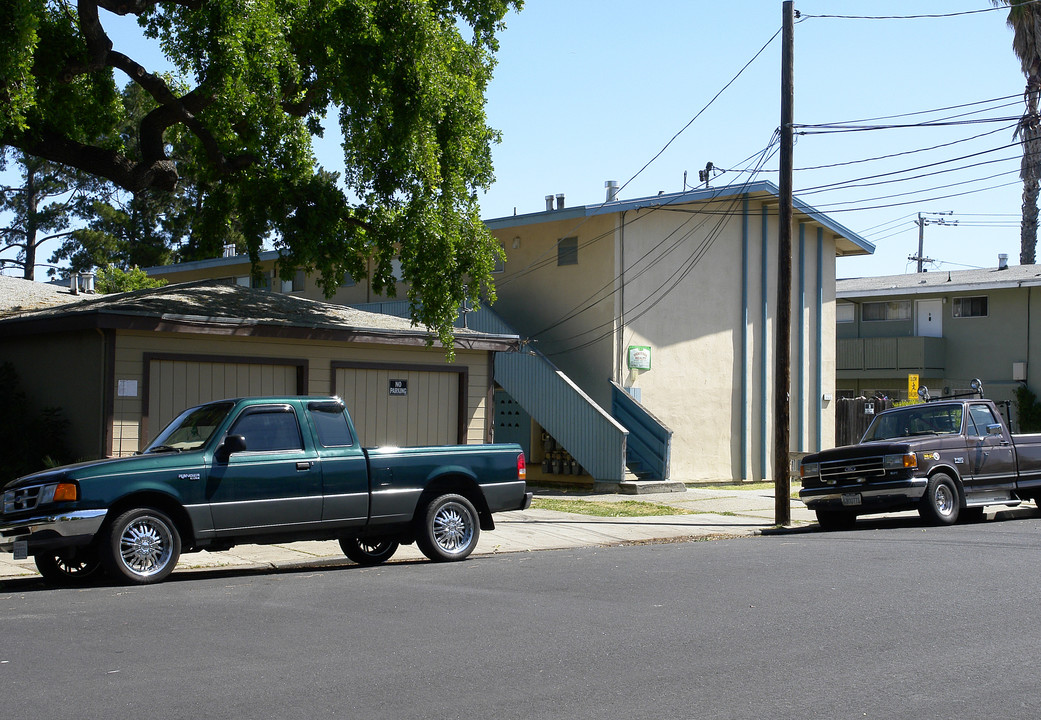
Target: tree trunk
column 1030, row 171
column 31, row 222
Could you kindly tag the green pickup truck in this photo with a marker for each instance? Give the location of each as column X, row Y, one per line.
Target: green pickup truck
column 257, row 470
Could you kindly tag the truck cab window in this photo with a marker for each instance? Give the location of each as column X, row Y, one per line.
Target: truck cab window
column 981, row 417
column 269, row 430
column 331, row 425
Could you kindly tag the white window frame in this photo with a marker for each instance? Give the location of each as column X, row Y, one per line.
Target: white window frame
column 958, row 311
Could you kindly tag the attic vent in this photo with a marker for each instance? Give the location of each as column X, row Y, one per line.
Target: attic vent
column 229, row 250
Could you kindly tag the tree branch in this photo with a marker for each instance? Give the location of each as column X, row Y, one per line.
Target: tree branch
column 158, row 173
column 136, row 7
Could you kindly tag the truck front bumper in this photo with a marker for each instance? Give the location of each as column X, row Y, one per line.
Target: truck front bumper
column 903, row 494
column 50, row 532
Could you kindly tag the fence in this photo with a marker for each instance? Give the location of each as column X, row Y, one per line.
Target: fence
column 853, row 415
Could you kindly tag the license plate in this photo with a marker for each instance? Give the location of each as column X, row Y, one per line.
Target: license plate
column 849, row 499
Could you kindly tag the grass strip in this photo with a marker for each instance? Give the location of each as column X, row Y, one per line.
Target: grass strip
column 626, row 508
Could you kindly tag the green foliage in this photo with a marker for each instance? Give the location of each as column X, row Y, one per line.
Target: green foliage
column 34, row 441
column 1028, row 410
column 254, row 82
column 112, row 279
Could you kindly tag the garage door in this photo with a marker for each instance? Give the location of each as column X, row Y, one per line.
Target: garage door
column 401, row 407
column 174, row 385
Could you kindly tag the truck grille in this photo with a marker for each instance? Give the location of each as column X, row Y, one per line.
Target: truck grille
column 840, row 472
column 19, row 499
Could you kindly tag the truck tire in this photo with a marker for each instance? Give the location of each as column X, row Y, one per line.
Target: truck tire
column 68, row 568
column 941, row 502
column 448, row 528
column 836, row 519
column 142, row 546
column 368, row 552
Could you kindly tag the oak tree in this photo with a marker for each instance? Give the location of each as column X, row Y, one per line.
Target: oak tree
column 253, row 81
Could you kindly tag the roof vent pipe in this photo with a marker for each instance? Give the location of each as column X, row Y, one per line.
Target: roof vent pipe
column 1002, row 261
column 549, row 202
column 560, row 201
column 612, row 190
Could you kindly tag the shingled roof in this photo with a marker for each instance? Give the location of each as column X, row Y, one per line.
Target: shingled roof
column 18, row 295
column 931, row 283
column 209, row 307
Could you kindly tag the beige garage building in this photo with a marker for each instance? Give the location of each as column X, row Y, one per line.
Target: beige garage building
column 121, row 366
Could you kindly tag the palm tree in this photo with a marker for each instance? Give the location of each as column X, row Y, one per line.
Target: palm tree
column 1024, row 17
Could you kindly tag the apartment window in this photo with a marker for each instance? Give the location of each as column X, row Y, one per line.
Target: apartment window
column 876, row 311
column 970, row 306
column 844, row 312
column 261, row 283
column 500, row 262
column 567, row 251
column 347, row 281
column 296, row 284
column 395, row 269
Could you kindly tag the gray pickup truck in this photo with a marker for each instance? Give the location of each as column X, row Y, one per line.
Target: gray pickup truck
column 947, row 459
column 257, row 470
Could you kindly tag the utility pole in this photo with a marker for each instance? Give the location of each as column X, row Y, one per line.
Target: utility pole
column 782, row 351
column 921, row 223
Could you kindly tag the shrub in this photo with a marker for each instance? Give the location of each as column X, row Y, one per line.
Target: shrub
column 1028, row 410
column 34, row 441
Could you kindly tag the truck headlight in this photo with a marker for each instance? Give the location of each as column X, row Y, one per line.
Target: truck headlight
column 58, row 492
column 900, row 462
column 809, row 470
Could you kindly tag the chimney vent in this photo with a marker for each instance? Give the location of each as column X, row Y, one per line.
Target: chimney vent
column 560, row 201
column 1002, row 261
column 612, row 190
column 549, row 202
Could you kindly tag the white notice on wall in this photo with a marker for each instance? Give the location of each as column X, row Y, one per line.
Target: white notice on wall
column 126, row 388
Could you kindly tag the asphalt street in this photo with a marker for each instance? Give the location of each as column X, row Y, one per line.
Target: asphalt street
column 891, row 620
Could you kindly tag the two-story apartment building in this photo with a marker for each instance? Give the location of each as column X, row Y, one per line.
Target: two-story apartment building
column 945, row 327
column 669, row 300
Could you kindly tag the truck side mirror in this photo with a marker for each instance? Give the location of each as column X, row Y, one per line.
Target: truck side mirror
column 994, row 429
column 231, row 444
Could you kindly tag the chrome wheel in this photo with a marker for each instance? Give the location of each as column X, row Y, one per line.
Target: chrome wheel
column 453, row 527
column 143, row 546
column 942, row 502
column 450, row 528
column 943, row 499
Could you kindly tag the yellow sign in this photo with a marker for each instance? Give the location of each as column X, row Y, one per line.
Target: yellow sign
column 912, row 387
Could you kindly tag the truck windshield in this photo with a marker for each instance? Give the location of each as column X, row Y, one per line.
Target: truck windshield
column 915, row 420
column 191, row 429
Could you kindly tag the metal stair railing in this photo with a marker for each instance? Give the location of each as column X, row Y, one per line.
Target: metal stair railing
column 556, row 403
column 649, row 445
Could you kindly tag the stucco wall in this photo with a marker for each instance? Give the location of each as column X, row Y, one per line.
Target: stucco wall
column 569, row 307
column 683, row 297
column 707, row 381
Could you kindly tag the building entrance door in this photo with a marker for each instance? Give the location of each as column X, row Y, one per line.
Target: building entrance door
column 930, row 318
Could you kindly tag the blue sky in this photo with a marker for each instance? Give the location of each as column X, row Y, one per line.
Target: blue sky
column 586, row 92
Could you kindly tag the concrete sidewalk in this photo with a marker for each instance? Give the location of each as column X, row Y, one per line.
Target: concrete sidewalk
column 715, row 512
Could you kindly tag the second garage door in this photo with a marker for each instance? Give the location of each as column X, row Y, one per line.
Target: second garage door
column 402, row 407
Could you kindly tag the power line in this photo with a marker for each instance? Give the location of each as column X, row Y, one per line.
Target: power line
column 934, row 16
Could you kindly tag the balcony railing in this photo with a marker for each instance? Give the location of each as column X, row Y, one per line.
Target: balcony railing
column 896, row 354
